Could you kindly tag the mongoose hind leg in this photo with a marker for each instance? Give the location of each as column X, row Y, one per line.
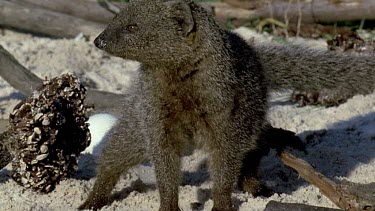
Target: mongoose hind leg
column 166, row 158
column 117, row 157
column 249, row 180
column 275, row 138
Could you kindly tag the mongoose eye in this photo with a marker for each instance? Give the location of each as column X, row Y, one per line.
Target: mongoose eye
column 132, row 28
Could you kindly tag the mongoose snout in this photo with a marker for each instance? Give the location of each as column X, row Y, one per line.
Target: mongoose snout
column 100, row 42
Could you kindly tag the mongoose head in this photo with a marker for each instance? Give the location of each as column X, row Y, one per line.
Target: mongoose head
column 151, row 31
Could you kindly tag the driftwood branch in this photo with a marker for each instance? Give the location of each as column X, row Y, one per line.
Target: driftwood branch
column 88, row 10
column 26, row 82
column 42, row 21
column 310, row 11
column 278, row 206
column 346, row 195
column 252, row 4
column 17, row 75
column 69, row 18
column 102, row 11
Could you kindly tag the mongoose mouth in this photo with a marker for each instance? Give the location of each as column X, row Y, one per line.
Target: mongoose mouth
column 99, row 42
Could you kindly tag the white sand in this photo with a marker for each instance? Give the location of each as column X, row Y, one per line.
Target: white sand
column 345, row 151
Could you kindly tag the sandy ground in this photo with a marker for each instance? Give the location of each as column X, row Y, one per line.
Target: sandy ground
column 340, row 140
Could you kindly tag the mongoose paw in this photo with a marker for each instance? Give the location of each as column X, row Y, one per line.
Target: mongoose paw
column 169, row 208
column 255, row 188
column 93, row 204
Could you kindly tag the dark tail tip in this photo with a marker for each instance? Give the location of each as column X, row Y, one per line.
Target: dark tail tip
column 279, row 139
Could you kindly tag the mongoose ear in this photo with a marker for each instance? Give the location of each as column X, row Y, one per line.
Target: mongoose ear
column 181, row 12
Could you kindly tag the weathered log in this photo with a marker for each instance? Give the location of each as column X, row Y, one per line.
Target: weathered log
column 102, row 12
column 59, row 18
column 5, row 152
column 312, row 11
column 3, row 125
column 87, row 10
column 26, row 82
column 344, row 195
column 42, row 21
column 17, row 75
column 250, row 4
column 278, row 206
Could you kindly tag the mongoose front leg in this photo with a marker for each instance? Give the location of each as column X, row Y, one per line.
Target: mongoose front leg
column 119, row 154
column 225, row 168
column 166, row 159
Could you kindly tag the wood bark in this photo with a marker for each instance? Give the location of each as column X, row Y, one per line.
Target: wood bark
column 42, row 21
column 17, row 75
column 67, row 19
column 312, row 11
column 346, row 196
column 279, row 206
column 5, row 153
column 101, row 12
column 250, row 4
column 87, row 10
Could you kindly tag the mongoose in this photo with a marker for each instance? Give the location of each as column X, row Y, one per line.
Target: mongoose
column 198, row 82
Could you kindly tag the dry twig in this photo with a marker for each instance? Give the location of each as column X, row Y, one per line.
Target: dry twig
column 42, row 21
column 344, row 196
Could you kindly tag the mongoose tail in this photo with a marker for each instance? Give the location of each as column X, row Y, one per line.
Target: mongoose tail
column 301, row 68
column 279, row 139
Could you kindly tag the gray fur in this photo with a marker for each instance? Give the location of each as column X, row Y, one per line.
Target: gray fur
column 301, row 68
column 197, row 83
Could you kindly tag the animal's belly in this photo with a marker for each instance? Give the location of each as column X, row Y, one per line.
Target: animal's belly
column 193, row 129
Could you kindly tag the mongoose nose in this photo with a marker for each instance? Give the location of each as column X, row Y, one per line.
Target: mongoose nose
column 99, row 42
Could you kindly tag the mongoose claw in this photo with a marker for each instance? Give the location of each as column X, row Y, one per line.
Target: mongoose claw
column 93, row 204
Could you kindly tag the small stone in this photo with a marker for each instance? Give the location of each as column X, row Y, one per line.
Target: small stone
column 67, row 89
column 41, row 157
column 14, row 112
column 37, row 116
column 48, row 188
column 23, row 166
column 30, row 139
column 32, row 149
column 45, row 122
column 40, row 183
column 24, row 180
column 37, row 130
column 44, row 149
